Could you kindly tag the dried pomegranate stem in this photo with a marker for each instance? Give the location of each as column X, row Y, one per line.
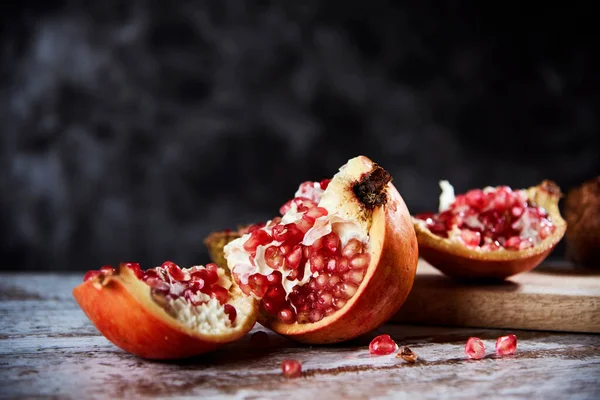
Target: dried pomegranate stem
column 370, row 190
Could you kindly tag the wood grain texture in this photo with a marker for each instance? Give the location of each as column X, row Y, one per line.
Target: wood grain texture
column 48, row 348
column 555, row 297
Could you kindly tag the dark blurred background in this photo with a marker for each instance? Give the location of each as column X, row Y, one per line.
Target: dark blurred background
column 130, row 130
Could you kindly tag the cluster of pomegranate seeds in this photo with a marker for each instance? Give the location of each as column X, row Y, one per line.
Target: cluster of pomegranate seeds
column 491, row 219
column 474, row 349
column 382, row 345
column 291, row 368
column 172, row 282
column 506, row 345
column 336, row 270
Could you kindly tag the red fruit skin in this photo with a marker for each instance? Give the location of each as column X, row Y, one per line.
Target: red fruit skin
column 389, row 279
column 122, row 310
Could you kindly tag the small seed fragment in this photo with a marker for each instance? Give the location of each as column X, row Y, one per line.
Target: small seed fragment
column 407, row 355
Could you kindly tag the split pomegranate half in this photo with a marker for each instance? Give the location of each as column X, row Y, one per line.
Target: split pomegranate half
column 337, row 263
column 166, row 312
column 493, row 233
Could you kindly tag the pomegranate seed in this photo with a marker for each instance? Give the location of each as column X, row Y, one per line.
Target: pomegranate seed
column 330, row 311
column 293, row 259
column 324, row 183
column 260, row 340
column 347, row 290
column 506, row 345
column 331, row 242
column 315, row 212
column 230, row 311
column 513, row 243
column 257, row 238
column 354, row 246
column 317, row 262
column 333, row 281
column 342, row 265
column 150, row 274
column 259, row 284
column 331, row 264
column 274, row 278
column 321, row 281
column 315, row 316
column 293, row 275
column 317, row 244
column 291, row 368
column 90, row 275
column 276, row 294
column 286, row 248
column 269, row 306
column 208, row 275
column 196, row 285
column 359, row 261
column 255, row 227
column 303, row 317
column 282, row 233
column 382, row 345
column 474, row 349
column 339, row 303
column 304, row 225
column 107, row 270
column 135, row 267
column 273, row 257
column 174, row 271
column 219, row 293
column 286, row 207
column 355, row 276
column 470, row 238
column 325, row 299
column 286, row 315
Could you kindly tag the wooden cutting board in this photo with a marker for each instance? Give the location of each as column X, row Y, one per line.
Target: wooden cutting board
column 553, row 297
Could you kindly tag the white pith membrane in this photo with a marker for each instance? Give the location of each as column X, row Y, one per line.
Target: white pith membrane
column 198, row 311
column 530, row 221
column 343, row 221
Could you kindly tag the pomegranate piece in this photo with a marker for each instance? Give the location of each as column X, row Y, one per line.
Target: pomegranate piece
column 407, row 355
column 382, row 345
column 123, row 304
column 474, row 349
column 506, row 345
column 257, row 238
column 291, row 368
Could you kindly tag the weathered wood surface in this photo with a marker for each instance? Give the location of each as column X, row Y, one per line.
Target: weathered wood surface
column 49, row 349
column 557, row 297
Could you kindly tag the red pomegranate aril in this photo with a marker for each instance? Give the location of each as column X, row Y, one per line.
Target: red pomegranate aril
column 331, row 242
column 470, row 238
column 90, row 275
column 291, row 368
column 293, row 259
column 339, row 303
column 305, row 224
column 259, row 284
column 513, row 243
column 321, row 281
column 315, row 212
column 325, row 299
column 354, row 246
column 286, row 315
column 330, row 311
column 219, row 293
column 474, row 349
column 359, row 261
column 255, row 227
column 273, row 257
column 276, row 294
column 230, row 311
column 317, row 244
column 315, row 315
column 282, row 233
column 107, row 269
column 331, row 265
column 257, row 238
column 274, row 278
column 333, row 281
column 506, row 345
column 355, row 276
column 196, row 285
column 382, row 345
column 324, row 183
column 303, row 317
column 269, row 306
column 135, row 267
column 317, row 261
column 174, row 271
column 347, row 290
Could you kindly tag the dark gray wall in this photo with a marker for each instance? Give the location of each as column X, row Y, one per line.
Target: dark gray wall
column 132, row 132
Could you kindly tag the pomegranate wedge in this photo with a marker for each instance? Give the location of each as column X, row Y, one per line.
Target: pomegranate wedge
column 166, row 312
column 491, row 233
column 337, row 263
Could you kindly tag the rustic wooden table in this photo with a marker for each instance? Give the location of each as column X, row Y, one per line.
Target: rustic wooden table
column 48, row 348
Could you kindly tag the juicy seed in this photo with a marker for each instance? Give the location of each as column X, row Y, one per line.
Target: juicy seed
column 219, row 293
column 273, row 257
column 317, row 262
column 107, row 270
column 174, row 270
column 90, row 275
column 293, row 259
column 359, row 261
column 474, row 349
column 382, row 345
column 286, row 316
column 135, row 267
column 331, row 242
column 259, row 284
column 506, row 345
column 315, row 315
column 354, row 246
column 291, row 368
column 257, row 238
column 230, row 311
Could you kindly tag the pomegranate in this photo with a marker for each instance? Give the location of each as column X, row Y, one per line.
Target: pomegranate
column 493, row 233
column 166, row 312
column 506, row 345
column 337, row 263
column 582, row 212
column 474, row 349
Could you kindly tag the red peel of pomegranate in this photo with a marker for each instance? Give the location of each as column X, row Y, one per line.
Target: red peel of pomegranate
column 166, row 312
column 492, row 233
column 338, row 263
